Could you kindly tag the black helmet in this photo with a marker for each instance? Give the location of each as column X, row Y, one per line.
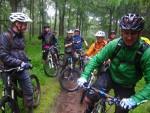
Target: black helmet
column 132, row 21
column 46, row 26
column 77, row 30
column 112, row 32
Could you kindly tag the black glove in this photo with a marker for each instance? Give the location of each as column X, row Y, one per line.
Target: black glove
column 26, row 65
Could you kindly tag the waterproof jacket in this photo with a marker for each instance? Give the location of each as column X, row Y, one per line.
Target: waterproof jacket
column 77, row 42
column 12, row 49
column 95, row 47
column 48, row 39
column 122, row 69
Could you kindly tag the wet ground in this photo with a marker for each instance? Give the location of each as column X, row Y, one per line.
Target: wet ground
column 68, row 102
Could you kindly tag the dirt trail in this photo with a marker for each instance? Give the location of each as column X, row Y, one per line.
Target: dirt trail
column 68, row 102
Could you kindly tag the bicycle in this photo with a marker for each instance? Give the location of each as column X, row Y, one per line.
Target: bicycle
column 80, row 58
column 69, row 76
column 106, row 101
column 53, row 62
column 8, row 101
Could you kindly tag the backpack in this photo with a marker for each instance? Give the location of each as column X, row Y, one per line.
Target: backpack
column 10, row 37
column 137, row 58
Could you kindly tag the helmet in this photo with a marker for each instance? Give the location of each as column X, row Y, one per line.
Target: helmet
column 18, row 16
column 112, row 32
column 70, row 31
column 46, row 26
column 77, row 30
column 132, row 21
column 100, row 34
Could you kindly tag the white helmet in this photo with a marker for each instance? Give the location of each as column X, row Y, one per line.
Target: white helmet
column 100, row 34
column 70, row 31
column 18, row 16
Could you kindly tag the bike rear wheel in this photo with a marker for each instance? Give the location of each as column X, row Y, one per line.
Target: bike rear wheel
column 36, row 90
column 68, row 79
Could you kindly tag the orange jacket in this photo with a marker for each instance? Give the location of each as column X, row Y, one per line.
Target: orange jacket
column 95, row 47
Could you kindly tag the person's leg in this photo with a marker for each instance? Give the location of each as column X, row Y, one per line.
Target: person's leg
column 122, row 92
column 104, row 83
column 26, row 85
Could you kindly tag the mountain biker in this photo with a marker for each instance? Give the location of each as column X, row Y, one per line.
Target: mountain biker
column 111, row 36
column 97, row 45
column 77, row 46
column 48, row 40
column 122, row 73
column 68, row 47
column 12, row 54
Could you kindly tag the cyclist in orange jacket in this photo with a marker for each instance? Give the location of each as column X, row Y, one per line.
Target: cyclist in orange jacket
column 97, row 45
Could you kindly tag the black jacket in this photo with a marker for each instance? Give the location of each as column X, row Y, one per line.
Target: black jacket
column 12, row 49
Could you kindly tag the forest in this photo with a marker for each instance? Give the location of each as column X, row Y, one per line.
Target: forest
column 87, row 15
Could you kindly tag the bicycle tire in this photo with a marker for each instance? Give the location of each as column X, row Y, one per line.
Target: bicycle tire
column 36, row 90
column 50, row 68
column 8, row 105
column 61, row 57
column 68, row 79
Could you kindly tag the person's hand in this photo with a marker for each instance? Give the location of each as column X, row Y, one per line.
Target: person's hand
column 81, row 81
column 127, row 103
column 26, row 65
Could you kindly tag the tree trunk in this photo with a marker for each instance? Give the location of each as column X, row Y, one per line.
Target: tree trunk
column 61, row 19
column 55, row 20
column 14, row 5
column 110, row 20
column 69, row 15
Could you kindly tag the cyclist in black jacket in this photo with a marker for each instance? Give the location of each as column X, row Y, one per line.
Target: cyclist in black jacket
column 12, row 54
column 48, row 39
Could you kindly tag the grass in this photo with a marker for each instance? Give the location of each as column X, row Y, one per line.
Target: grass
column 49, row 86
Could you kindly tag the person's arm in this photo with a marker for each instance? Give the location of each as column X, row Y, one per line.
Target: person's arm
column 85, row 42
column 90, row 51
column 68, row 45
column 144, row 94
column 5, row 55
column 99, row 58
column 40, row 36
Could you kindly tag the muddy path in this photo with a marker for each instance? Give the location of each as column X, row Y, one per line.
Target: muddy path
column 68, row 102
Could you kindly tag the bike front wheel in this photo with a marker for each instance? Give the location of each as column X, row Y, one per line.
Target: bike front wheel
column 36, row 90
column 68, row 79
column 8, row 105
column 50, row 68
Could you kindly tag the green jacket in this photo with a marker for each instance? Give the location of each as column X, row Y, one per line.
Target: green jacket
column 122, row 70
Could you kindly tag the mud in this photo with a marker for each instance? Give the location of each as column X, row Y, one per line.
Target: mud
column 69, row 102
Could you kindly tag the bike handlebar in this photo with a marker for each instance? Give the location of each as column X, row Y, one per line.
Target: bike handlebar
column 19, row 68
column 110, row 99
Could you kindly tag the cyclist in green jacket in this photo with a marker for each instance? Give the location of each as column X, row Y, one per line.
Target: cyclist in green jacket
column 122, row 73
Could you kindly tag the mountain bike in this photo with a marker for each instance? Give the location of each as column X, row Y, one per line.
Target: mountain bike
column 79, row 56
column 53, row 61
column 11, row 92
column 68, row 77
column 105, row 102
